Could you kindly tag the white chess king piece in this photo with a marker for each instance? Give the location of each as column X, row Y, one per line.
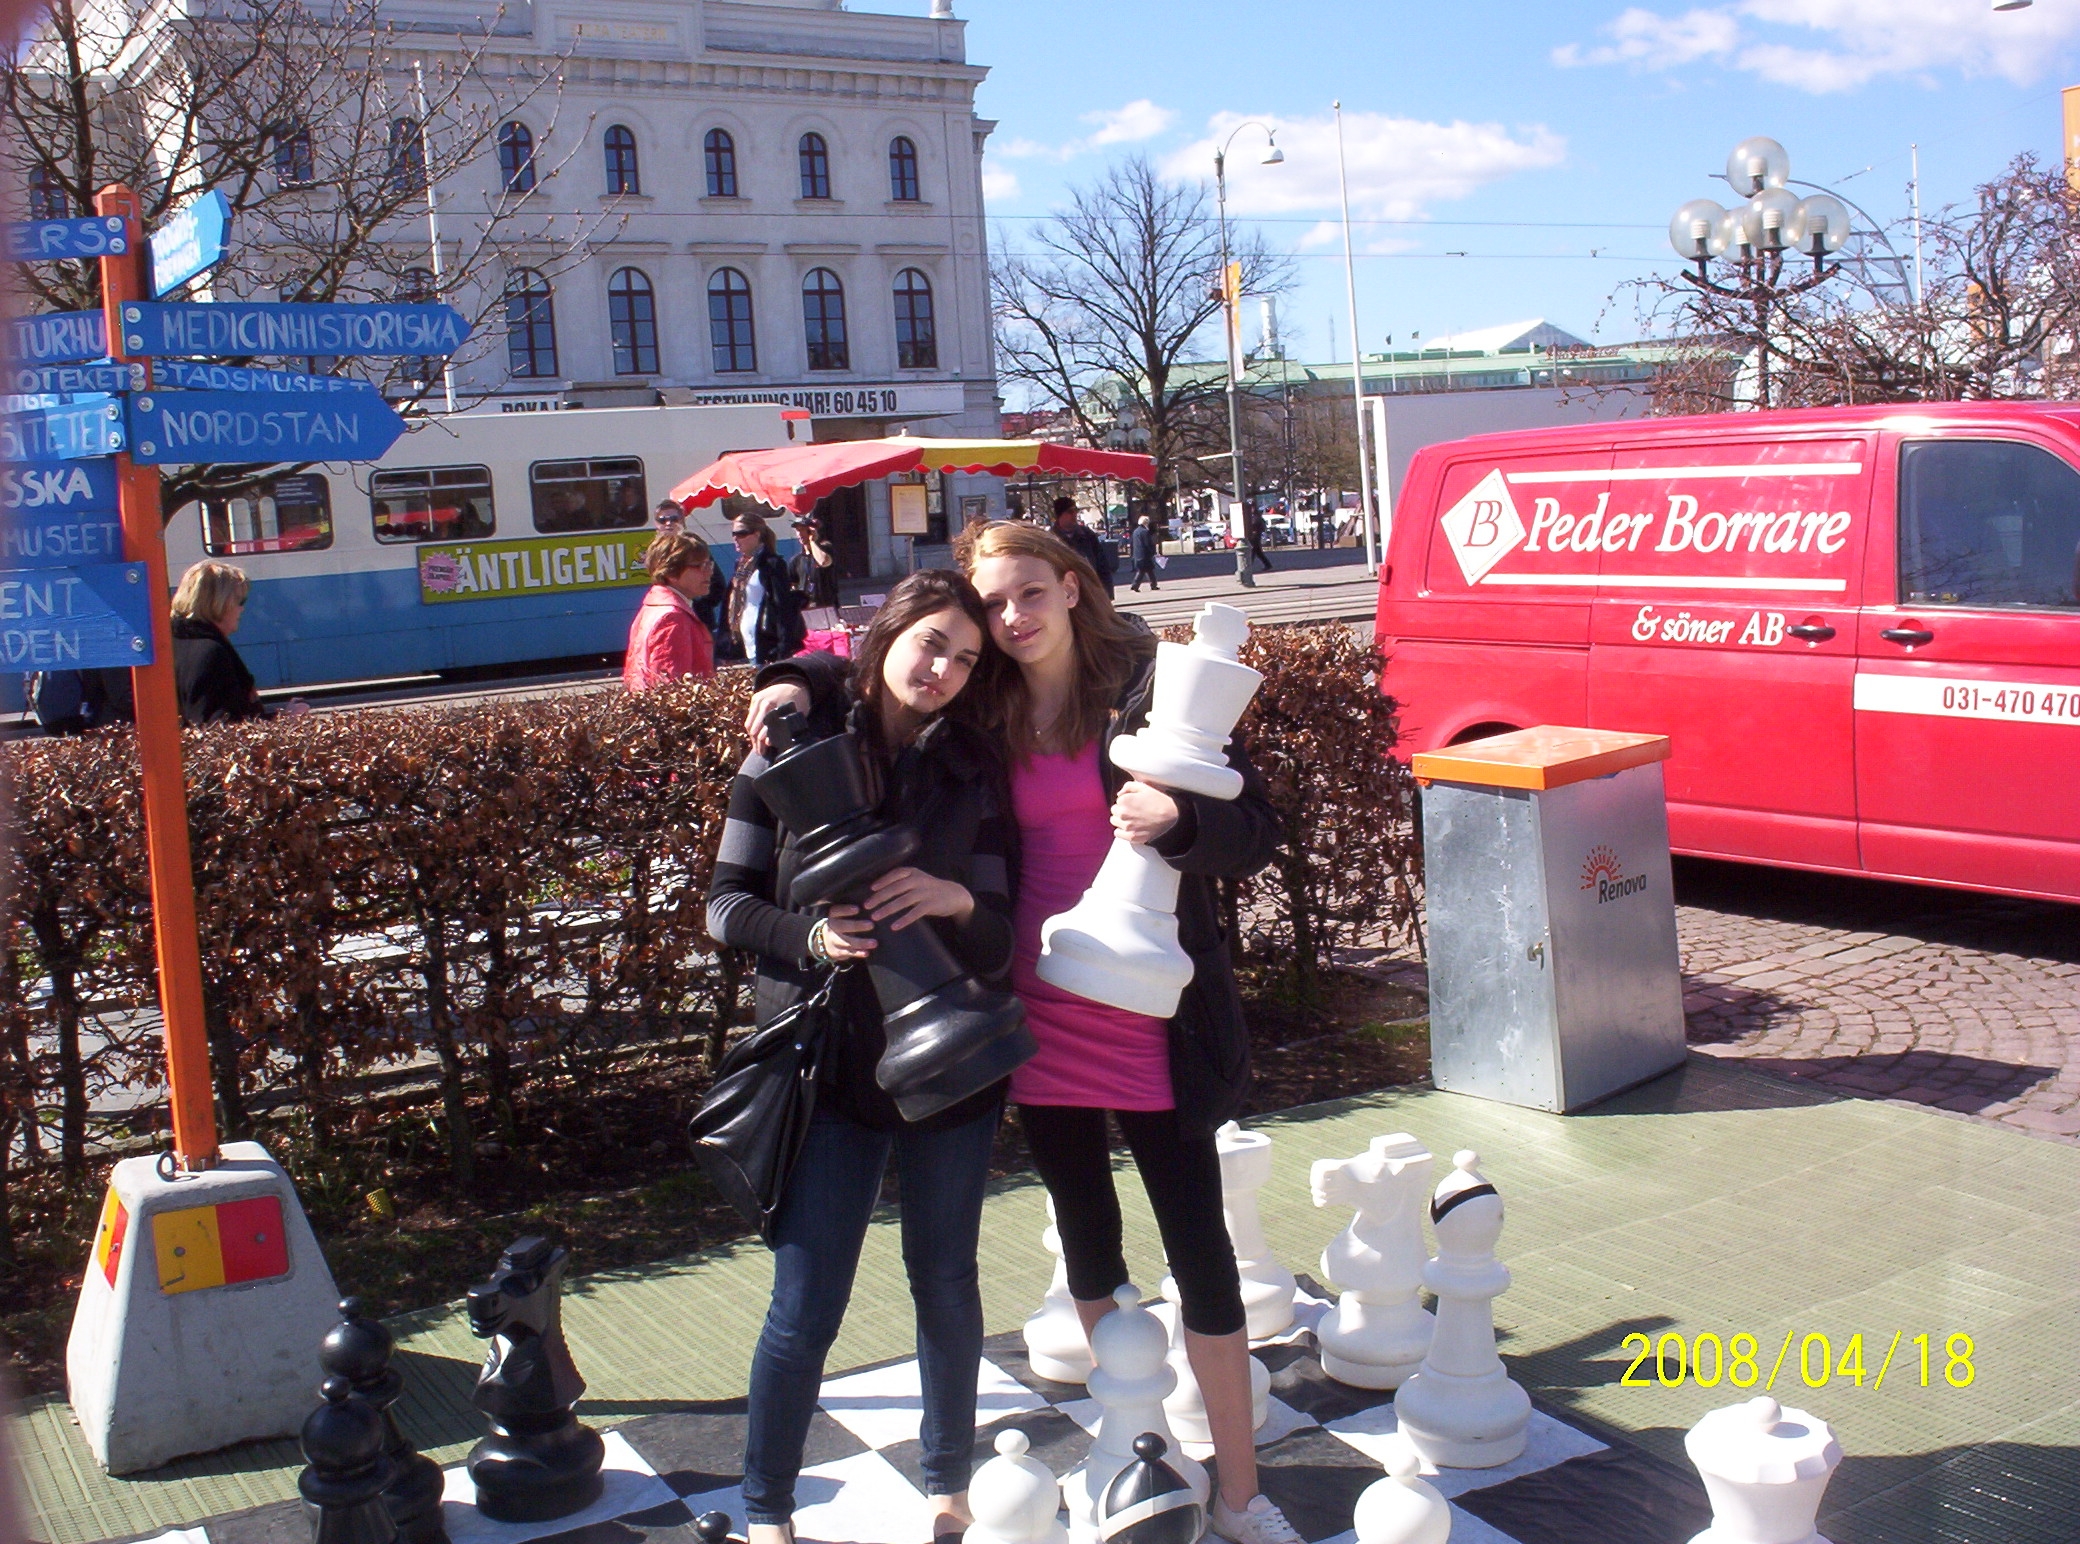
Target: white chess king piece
column 1015, row 1498
column 1460, row 1408
column 1130, row 1382
column 1378, row 1333
column 1765, row 1469
column 1403, row 1508
column 1056, row 1346
column 1267, row 1286
column 1185, row 1405
column 1118, row 945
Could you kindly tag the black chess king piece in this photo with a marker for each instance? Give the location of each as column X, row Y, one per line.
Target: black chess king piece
column 538, row 1463
column 342, row 1486
column 358, row 1349
column 949, row 1036
column 1148, row 1502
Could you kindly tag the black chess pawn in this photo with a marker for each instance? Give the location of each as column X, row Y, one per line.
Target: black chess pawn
column 1148, row 1502
column 538, row 1463
column 359, row 1349
column 949, row 1036
column 712, row 1528
column 346, row 1470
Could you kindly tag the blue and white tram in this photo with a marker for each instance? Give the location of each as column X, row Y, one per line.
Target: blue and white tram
column 479, row 539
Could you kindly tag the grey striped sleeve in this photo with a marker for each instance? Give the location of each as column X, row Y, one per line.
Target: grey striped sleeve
column 745, row 845
column 721, row 908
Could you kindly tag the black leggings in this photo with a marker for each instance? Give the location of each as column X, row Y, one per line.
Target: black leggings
column 1182, row 1176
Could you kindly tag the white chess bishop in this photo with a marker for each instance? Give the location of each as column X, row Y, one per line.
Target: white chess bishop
column 1267, row 1286
column 1130, row 1381
column 1015, row 1497
column 1765, row 1469
column 1403, row 1508
column 1118, row 945
column 1379, row 1332
column 1461, row 1409
column 1056, row 1346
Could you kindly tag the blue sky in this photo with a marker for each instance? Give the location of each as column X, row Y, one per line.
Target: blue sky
column 1548, row 143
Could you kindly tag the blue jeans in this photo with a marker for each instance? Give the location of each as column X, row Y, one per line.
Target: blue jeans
column 817, row 1236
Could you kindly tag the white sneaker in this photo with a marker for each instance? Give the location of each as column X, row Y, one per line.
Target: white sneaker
column 1261, row 1522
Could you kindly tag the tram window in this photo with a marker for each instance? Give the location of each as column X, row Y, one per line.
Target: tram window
column 276, row 514
column 603, row 495
column 442, row 503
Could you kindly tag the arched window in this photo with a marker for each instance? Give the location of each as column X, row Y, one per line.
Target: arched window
column 721, row 154
column 632, row 317
column 407, row 169
column 729, row 322
column 516, row 157
column 815, row 157
column 47, row 196
column 295, row 166
column 530, row 325
column 917, row 337
column 823, row 320
column 902, row 170
column 622, row 176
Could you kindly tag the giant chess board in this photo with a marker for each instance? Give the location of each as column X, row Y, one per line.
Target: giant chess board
column 1320, row 1446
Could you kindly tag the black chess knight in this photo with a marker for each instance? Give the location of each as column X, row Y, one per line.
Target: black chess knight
column 948, row 1035
column 1148, row 1502
column 538, row 1463
column 358, row 1349
column 342, row 1487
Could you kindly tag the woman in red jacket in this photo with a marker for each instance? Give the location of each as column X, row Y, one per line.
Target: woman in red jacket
column 667, row 640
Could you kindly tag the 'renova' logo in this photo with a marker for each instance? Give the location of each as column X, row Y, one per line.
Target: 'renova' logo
column 1602, row 873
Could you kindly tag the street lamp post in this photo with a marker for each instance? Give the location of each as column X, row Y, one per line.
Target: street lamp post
column 1230, row 303
column 1368, row 515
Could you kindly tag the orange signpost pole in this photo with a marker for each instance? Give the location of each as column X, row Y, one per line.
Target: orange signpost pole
column 159, row 749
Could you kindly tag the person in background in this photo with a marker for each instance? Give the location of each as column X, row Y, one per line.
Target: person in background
column 668, row 640
column 1086, row 543
column 814, row 570
column 1143, row 544
column 1253, row 534
column 669, row 516
column 763, row 618
column 713, row 606
column 214, row 685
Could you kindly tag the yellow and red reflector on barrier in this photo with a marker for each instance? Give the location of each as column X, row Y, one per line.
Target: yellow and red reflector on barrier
column 221, row 1245
column 108, row 1237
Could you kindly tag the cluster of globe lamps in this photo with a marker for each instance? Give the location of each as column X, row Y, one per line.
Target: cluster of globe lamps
column 1774, row 221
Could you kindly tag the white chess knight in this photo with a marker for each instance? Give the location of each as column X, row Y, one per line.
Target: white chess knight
column 1185, row 1404
column 1379, row 1332
column 1130, row 1382
column 1403, row 1508
column 1118, row 945
column 1056, row 1345
column 1267, row 1286
column 1015, row 1497
column 1461, row 1409
column 1765, row 1469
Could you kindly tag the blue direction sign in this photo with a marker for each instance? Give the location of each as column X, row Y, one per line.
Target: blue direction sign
column 159, row 328
column 194, row 426
column 73, row 431
column 80, row 490
column 189, row 241
column 80, row 618
column 36, row 241
column 95, row 375
column 208, row 377
column 56, row 337
column 50, row 538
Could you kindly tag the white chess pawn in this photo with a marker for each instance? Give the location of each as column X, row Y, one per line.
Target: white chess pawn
column 1015, row 1498
column 1129, row 1382
column 1118, row 945
column 1403, row 1508
column 1765, row 1469
column 1379, row 1332
column 1460, row 1408
column 1267, row 1286
column 1056, row 1345
column 1185, row 1405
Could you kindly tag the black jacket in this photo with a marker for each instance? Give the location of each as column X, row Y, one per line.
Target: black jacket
column 1087, row 544
column 214, row 685
column 1144, row 543
column 778, row 630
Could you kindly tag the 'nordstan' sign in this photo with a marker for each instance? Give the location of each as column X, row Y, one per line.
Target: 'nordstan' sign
column 185, row 427
column 160, row 328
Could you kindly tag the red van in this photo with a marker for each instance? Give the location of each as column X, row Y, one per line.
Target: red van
column 1860, row 627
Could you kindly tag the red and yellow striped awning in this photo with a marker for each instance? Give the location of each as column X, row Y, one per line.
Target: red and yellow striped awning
column 794, row 477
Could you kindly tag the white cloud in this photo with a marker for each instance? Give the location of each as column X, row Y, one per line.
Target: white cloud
column 1398, row 166
column 998, row 184
column 1126, row 125
column 1838, row 45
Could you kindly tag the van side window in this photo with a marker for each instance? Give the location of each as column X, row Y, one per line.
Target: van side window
column 275, row 514
column 1987, row 523
column 441, row 503
column 602, row 495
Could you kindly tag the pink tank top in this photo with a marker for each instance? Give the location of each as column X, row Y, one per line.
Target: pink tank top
column 1091, row 1055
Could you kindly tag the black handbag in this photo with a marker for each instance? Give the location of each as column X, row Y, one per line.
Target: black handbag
column 749, row 1130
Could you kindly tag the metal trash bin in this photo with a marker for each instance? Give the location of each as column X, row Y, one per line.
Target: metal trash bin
column 1554, row 979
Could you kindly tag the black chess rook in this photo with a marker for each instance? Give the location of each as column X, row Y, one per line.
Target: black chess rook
column 538, row 1463
column 359, row 1349
column 1148, row 1502
column 346, row 1470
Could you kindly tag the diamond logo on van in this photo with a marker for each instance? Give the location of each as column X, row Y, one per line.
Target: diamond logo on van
column 1483, row 527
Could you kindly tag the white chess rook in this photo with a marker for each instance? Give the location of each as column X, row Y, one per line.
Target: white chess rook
column 1118, row 945
column 1267, row 1286
column 1403, row 1508
column 1765, row 1469
column 1379, row 1332
column 1185, row 1404
column 1130, row 1381
column 1014, row 1498
column 1056, row 1346
column 1460, row 1408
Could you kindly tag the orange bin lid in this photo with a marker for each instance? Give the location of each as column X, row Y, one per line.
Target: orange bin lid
column 1546, row 756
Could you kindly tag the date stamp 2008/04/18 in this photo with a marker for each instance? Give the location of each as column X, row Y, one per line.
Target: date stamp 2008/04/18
column 1708, row 1361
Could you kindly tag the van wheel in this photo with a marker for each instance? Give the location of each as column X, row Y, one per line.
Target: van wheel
column 1480, row 732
